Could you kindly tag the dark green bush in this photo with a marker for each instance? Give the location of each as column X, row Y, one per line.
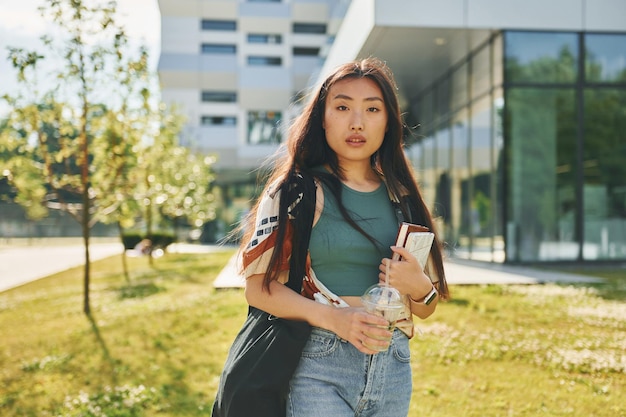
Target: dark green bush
column 158, row 239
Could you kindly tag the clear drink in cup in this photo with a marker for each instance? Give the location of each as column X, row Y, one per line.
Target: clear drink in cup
column 386, row 302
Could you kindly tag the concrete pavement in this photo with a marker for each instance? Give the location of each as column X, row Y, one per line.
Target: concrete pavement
column 22, row 264
column 458, row 272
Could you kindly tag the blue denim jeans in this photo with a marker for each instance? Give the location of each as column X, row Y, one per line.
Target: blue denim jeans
column 335, row 379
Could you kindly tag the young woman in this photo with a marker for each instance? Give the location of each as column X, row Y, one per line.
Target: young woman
column 349, row 139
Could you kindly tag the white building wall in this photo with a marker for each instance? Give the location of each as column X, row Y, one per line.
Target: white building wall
column 185, row 72
column 527, row 14
column 605, row 15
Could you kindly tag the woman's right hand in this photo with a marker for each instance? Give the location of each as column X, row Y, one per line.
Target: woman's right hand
column 353, row 324
column 362, row 329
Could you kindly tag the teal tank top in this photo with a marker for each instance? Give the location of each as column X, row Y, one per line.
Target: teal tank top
column 344, row 260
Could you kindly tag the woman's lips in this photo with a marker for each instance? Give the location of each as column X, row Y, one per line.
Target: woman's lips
column 355, row 139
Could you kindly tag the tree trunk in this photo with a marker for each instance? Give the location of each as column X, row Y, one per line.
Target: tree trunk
column 86, row 206
column 149, row 227
column 124, row 260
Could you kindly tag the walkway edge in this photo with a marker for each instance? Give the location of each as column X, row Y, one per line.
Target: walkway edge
column 458, row 272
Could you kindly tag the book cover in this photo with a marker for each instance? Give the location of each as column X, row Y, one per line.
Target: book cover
column 416, row 239
column 404, row 230
column 419, row 244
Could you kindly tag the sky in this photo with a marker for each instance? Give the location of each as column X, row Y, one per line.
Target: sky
column 21, row 25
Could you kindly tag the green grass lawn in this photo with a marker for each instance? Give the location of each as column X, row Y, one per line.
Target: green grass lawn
column 155, row 346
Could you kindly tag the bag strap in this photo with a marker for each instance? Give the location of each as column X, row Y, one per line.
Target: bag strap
column 302, row 190
column 397, row 208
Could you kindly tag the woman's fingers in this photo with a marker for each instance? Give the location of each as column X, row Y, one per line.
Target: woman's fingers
column 367, row 332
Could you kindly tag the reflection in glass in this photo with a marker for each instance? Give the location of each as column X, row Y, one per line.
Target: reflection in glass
column 443, row 98
column 441, row 209
column 497, row 175
column 604, row 170
column 427, row 174
column 538, row 57
column 498, row 61
column 459, row 87
column 481, row 72
column 263, row 127
column 460, row 200
column 542, row 171
column 605, row 59
column 426, row 115
column 543, row 209
column 480, row 189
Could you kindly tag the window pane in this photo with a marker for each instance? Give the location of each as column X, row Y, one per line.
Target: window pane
column 265, row 38
column 459, row 87
column 314, row 28
column 497, row 151
column 605, row 58
column 425, row 112
column 481, row 198
column 219, row 25
column 481, row 72
column 443, row 98
column 441, row 209
column 264, row 127
column 461, row 213
column 497, row 61
column 538, row 57
column 542, row 174
column 427, row 174
column 219, row 96
column 210, row 48
column 604, row 170
column 305, row 51
column 265, row 60
column 218, row 121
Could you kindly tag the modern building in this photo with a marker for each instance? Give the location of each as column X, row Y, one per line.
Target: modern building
column 517, row 109
column 235, row 68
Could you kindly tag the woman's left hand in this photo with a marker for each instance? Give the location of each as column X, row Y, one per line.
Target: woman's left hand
column 405, row 275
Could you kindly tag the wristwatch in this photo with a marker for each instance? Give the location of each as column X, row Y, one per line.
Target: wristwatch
column 429, row 298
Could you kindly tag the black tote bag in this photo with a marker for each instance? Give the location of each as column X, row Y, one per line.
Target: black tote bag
column 266, row 351
column 260, row 363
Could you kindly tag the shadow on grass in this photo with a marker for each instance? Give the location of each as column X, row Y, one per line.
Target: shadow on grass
column 180, row 396
column 139, row 290
column 106, row 355
column 174, row 392
column 612, row 290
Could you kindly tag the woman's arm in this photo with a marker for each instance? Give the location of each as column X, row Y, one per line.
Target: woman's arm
column 351, row 324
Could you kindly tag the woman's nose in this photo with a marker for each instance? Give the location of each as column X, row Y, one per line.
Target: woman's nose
column 356, row 123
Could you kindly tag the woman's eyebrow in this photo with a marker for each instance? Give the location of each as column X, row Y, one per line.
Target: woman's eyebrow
column 345, row 97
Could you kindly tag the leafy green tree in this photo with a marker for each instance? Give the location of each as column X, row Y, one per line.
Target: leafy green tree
column 69, row 155
column 170, row 181
column 99, row 146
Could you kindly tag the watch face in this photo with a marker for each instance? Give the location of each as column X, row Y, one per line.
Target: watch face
column 430, row 297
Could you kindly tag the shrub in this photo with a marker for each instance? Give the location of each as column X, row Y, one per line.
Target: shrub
column 158, row 239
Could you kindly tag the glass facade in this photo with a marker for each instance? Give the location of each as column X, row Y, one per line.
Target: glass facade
column 521, row 146
column 264, row 127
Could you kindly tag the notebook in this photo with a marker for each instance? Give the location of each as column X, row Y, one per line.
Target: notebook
column 416, row 239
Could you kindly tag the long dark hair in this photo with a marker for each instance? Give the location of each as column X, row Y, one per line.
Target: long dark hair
column 307, row 148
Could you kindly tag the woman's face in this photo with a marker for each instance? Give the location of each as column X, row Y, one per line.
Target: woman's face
column 355, row 119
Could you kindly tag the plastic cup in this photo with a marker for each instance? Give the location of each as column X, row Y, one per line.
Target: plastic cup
column 386, row 302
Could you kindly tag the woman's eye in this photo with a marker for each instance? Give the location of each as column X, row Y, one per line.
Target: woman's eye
column 373, row 109
column 342, row 108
